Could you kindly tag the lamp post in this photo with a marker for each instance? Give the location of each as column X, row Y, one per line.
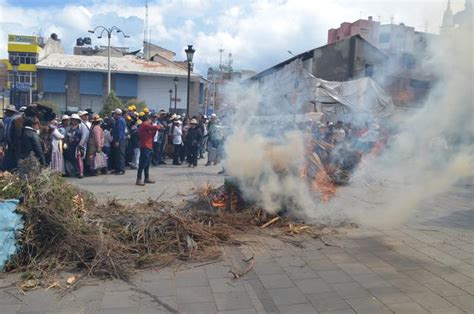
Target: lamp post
column 171, row 97
column 66, row 86
column 189, row 56
column 109, row 32
column 175, row 80
column 15, row 65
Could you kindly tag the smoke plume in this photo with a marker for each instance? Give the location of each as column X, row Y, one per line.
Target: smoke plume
column 432, row 149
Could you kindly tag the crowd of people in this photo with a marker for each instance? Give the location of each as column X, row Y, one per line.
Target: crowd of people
column 85, row 144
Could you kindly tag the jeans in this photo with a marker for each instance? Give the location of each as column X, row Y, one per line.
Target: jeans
column 136, row 157
column 161, row 151
column 203, row 147
column 144, row 164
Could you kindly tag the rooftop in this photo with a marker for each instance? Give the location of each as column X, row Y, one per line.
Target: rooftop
column 126, row 64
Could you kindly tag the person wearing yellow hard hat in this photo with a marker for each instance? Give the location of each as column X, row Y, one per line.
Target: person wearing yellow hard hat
column 134, row 108
column 130, row 108
column 146, row 110
column 141, row 114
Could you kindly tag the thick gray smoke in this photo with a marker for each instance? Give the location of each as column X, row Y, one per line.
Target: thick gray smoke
column 432, row 151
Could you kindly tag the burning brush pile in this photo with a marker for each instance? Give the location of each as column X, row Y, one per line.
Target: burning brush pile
column 65, row 228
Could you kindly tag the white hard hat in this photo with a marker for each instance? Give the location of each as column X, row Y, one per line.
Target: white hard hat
column 75, row 116
column 118, row 111
column 213, row 115
column 81, row 113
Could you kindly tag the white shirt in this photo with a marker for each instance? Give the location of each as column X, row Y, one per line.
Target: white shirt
column 177, row 133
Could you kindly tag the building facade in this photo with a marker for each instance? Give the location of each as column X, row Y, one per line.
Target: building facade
column 80, row 82
column 369, row 29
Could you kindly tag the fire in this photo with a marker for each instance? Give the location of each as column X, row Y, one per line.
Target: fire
column 323, row 183
column 218, row 203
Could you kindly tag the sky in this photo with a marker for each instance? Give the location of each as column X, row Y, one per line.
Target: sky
column 258, row 33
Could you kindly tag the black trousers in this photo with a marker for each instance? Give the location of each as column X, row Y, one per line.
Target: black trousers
column 119, row 156
column 193, row 153
column 144, row 164
column 176, row 153
column 156, row 152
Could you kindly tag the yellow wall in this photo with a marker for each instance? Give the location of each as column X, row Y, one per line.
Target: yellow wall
column 32, row 48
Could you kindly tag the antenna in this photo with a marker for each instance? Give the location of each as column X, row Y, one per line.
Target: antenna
column 392, row 18
column 220, row 59
column 145, row 31
column 230, row 61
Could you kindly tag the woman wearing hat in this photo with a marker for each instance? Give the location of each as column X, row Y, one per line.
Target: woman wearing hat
column 176, row 133
column 57, row 159
column 193, row 139
column 96, row 142
column 73, row 158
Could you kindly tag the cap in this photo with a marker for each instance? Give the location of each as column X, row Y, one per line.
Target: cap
column 65, row 117
column 75, row 116
column 193, row 121
column 118, row 111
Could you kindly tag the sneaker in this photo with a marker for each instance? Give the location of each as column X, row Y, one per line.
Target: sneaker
column 208, row 164
column 139, row 183
column 149, row 181
column 162, row 163
column 119, row 173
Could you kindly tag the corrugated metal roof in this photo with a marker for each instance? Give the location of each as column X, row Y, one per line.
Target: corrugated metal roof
column 126, row 64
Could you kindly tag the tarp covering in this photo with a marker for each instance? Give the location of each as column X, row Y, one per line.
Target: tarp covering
column 10, row 223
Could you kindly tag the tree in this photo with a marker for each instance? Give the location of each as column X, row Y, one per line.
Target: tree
column 111, row 103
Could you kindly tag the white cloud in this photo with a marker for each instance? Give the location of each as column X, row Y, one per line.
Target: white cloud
column 258, row 32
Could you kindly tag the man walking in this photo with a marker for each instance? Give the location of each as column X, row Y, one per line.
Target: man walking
column 146, row 133
column 194, row 139
column 120, row 142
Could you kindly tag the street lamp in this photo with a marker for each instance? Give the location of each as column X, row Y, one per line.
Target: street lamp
column 66, row 86
column 171, row 97
column 109, row 32
column 15, row 65
column 175, row 80
column 189, row 56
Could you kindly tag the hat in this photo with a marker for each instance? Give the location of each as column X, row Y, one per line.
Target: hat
column 65, row 117
column 213, row 116
column 22, row 108
column 82, row 113
column 118, row 111
column 330, row 123
column 96, row 118
column 138, row 122
column 178, row 117
column 134, row 107
column 141, row 114
column 204, row 116
column 179, row 122
column 129, row 118
column 75, row 116
column 173, row 117
column 146, row 110
column 193, row 121
column 11, row 108
column 130, row 108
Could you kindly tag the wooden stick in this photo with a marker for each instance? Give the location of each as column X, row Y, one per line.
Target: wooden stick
column 268, row 223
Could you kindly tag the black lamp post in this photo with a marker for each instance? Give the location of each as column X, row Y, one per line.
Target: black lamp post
column 15, row 65
column 175, row 80
column 189, row 56
column 171, row 97
column 66, row 86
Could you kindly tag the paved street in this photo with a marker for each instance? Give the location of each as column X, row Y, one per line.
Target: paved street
column 425, row 266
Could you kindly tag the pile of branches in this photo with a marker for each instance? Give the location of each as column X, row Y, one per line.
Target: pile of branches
column 67, row 229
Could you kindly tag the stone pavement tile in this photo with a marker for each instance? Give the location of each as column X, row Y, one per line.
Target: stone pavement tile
column 449, row 310
column 192, row 278
column 120, row 299
column 444, row 288
column 340, row 258
column 238, row 312
column 161, row 288
column 407, row 307
column 368, row 305
column 348, row 311
column 233, row 301
column 40, row 301
column 293, row 260
column 154, row 304
column 311, row 286
column 390, row 295
column 387, row 272
column 276, row 281
column 370, row 260
column 304, row 308
column 408, row 285
column 328, row 301
column 457, row 279
column 217, row 271
column 115, row 285
column 267, row 268
column 9, row 308
column 297, row 272
column 287, row 296
column 371, row 281
column 10, row 296
column 429, row 300
column 468, row 288
column 152, row 275
column 261, row 299
column 197, row 308
column 226, row 285
column 335, row 276
column 350, row 290
column 355, row 269
column 465, row 302
column 120, row 310
column 194, row 295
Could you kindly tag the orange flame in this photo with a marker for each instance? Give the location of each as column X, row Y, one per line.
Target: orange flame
column 218, row 203
column 323, row 184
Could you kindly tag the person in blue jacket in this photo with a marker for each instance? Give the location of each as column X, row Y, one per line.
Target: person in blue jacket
column 119, row 142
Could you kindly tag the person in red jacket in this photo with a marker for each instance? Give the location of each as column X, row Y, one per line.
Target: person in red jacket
column 146, row 134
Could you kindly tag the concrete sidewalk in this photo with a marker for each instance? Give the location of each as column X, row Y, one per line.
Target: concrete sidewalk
column 425, row 266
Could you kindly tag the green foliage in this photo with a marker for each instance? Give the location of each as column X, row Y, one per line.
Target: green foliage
column 111, row 103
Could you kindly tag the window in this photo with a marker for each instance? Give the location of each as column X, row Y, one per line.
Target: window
column 384, row 38
column 369, row 70
column 23, row 57
column 23, row 77
column 408, row 61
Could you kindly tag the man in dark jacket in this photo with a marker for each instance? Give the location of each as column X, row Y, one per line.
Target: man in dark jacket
column 193, row 139
column 120, row 142
column 31, row 142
